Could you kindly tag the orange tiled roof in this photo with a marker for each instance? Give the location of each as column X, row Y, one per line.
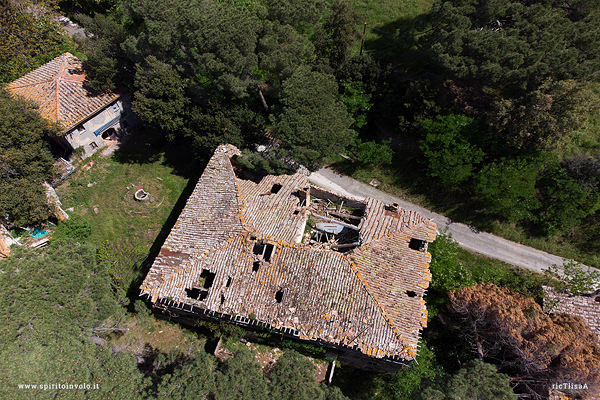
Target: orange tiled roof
column 370, row 298
column 4, row 249
column 59, row 90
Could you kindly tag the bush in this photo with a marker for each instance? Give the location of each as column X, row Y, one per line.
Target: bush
column 73, row 228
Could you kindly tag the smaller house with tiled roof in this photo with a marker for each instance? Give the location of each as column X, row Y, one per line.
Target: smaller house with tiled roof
column 277, row 253
column 89, row 119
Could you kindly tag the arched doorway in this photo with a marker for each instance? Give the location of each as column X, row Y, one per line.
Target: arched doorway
column 109, row 134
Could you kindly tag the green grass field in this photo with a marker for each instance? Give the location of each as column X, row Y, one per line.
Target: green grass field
column 101, row 193
column 390, row 25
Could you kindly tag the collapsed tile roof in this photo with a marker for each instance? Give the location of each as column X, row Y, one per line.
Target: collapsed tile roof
column 60, row 91
column 586, row 307
column 369, row 298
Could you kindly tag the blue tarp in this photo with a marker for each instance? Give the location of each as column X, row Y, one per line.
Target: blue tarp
column 38, row 233
column 107, row 125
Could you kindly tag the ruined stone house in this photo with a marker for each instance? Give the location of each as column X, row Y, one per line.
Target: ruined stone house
column 280, row 254
column 88, row 119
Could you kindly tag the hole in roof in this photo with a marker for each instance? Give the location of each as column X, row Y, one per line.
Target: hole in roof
column 255, row 266
column 268, row 252
column 279, row 296
column 276, row 188
column 417, row 244
column 411, row 293
column 222, row 299
column 196, row 294
column 296, row 212
column 258, row 248
column 207, row 278
column 228, row 282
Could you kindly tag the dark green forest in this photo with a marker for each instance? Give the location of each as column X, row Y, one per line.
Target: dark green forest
column 486, row 110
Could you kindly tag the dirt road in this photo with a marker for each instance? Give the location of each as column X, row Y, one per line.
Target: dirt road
column 468, row 238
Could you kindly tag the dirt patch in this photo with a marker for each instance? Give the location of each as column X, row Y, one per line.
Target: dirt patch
column 158, row 335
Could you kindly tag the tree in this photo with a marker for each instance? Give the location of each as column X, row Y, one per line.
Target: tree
column 335, row 39
column 584, row 169
column 508, row 187
column 578, row 278
column 193, row 376
column 106, row 65
column 313, row 123
column 28, row 40
column 25, row 162
column 301, row 14
column 511, row 44
column 564, row 201
column 447, row 273
column 241, row 377
column 447, row 150
column 511, row 329
column 293, row 377
column 544, row 118
column 475, row 381
column 281, row 49
column 161, row 99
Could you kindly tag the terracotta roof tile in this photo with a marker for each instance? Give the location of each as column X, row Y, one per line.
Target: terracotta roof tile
column 369, row 299
column 59, row 90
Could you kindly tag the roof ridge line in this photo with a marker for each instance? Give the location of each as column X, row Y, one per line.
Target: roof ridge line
column 57, row 88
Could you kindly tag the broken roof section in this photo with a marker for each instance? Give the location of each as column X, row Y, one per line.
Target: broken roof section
column 247, row 249
column 59, row 90
column 586, row 306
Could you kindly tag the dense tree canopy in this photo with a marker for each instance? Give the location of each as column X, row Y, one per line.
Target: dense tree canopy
column 51, row 301
column 28, row 40
column 313, row 123
column 476, row 381
column 515, row 43
column 447, row 148
column 25, row 162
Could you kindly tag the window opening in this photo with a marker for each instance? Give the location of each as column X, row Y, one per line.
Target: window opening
column 276, row 188
column 207, row 278
column 279, row 296
column 417, row 244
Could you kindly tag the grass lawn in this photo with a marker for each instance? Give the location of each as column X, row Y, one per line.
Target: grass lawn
column 390, row 24
column 103, row 196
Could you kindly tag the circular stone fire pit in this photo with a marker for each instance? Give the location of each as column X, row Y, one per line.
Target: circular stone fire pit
column 141, row 195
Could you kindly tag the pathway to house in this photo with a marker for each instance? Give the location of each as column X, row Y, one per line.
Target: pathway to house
column 467, row 237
